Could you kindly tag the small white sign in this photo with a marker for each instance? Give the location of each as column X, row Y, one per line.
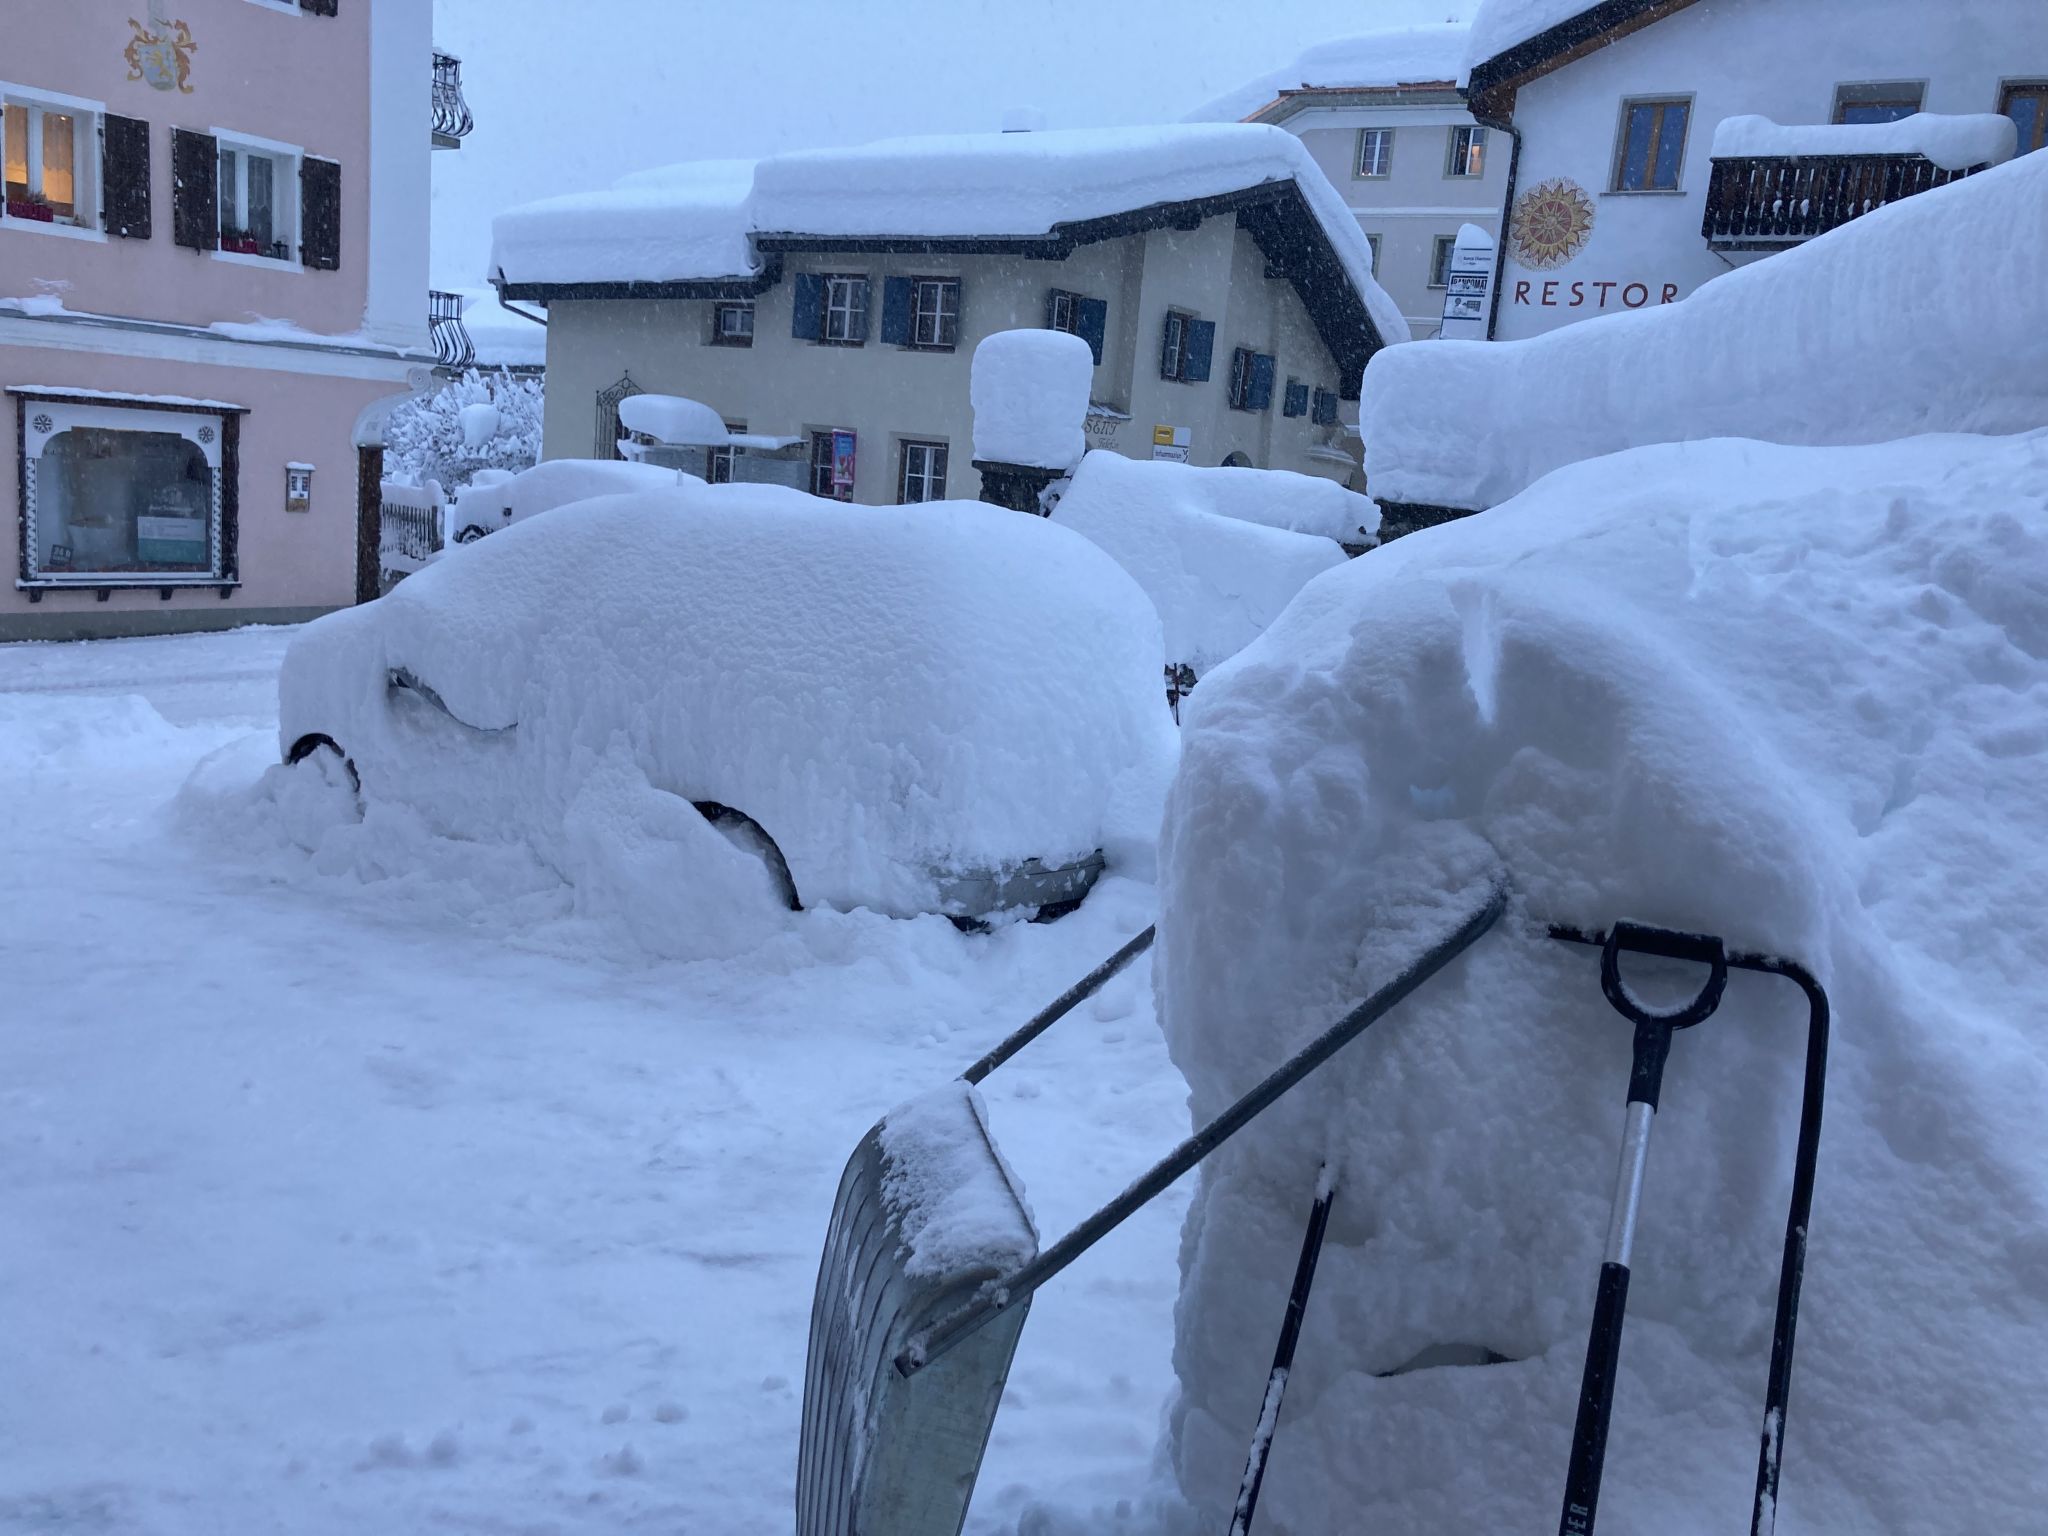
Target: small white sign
column 171, row 530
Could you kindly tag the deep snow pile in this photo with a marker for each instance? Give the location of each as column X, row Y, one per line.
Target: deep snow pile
column 1869, row 333
column 1425, row 54
column 1953, row 141
column 956, row 1202
column 493, row 503
column 1030, row 395
column 1798, row 697
column 679, row 223
column 1216, row 580
column 895, row 694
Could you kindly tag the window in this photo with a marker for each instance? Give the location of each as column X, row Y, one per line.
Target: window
column 1885, row 101
column 718, row 464
column 1375, row 152
column 832, row 465
column 258, row 195
column 1185, row 345
column 1078, row 315
column 1251, row 380
column 732, row 324
column 924, row 473
column 1652, row 148
column 1063, row 311
column 1295, row 402
column 1440, row 260
column 1324, row 412
column 846, row 311
column 1468, row 152
column 2026, row 103
column 1372, row 243
column 49, row 163
column 934, row 312
column 124, row 495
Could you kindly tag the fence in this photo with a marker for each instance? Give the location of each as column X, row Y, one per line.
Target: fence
column 1756, row 201
column 409, row 521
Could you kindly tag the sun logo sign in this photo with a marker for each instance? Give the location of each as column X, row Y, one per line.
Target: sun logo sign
column 1552, row 222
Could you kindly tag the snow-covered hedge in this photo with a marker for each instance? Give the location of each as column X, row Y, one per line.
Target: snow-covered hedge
column 449, row 435
column 1794, row 696
column 1924, row 316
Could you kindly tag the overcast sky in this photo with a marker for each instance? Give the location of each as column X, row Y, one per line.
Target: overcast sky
column 570, row 94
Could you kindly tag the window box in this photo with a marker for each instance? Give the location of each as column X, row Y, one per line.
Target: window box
column 240, row 244
column 31, row 208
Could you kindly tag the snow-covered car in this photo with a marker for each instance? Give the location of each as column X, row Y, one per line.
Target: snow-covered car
column 947, row 708
column 495, row 500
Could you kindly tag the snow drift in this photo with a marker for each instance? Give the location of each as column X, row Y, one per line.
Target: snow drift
column 1216, row 580
column 1795, row 696
column 1863, row 335
column 894, row 694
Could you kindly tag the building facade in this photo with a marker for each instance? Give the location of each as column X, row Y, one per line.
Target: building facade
column 1619, row 200
column 213, row 276
column 1383, row 117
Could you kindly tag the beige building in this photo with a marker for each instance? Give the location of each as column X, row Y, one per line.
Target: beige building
column 1382, row 116
column 1224, row 289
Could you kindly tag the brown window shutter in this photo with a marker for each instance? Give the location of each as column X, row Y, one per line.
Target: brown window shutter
column 124, row 174
column 318, row 7
column 195, row 175
column 320, row 212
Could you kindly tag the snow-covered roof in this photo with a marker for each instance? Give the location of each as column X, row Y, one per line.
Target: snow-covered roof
column 1499, row 26
column 682, row 223
column 1431, row 54
column 1953, row 142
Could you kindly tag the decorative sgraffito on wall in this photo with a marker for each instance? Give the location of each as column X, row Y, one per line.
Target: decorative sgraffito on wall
column 163, row 58
column 1552, row 222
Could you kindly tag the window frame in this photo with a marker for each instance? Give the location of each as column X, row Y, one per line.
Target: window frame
column 87, row 196
column 722, row 337
column 2026, row 85
column 1662, row 104
column 1372, row 244
column 1475, row 147
column 1237, row 390
column 1179, row 324
column 1385, row 139
column 1918, row 99
column 946, row 321
column 828, row 307
column 932, row 451
column 1072, row 301
column 821, row 463
column 1440, row 253
column 287, row 201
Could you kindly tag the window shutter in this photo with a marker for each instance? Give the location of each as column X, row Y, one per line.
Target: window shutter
column 319, row 7
column 1094, row 325
column 807, row 319
column 1261, row 395
column 860, row 314
column 124, row 174
column 320, row 214
column 1201, row 346
column 1296, row 402
column 896, row 311
column 1326, row 408
column 195, row 174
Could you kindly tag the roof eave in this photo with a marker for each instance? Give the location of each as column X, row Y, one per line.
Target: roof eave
column 1493, row 82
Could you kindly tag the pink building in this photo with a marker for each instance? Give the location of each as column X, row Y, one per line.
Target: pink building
column 213, row 287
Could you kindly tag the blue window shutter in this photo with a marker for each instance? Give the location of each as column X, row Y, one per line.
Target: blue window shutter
column 1297, row 400
column 807, row 319
column 895, row 311
column 860, row 315
column 1201, row 346
column 1326, row 408
column 1094, row 325
column 1261, row 394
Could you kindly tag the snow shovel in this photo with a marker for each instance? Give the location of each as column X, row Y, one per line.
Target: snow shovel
column 1646, row 1076
column 906, row 1372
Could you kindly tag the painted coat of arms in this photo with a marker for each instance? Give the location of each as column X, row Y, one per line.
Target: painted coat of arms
column 163, row 58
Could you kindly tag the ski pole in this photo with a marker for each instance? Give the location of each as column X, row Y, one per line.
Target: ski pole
column 1646, row 1080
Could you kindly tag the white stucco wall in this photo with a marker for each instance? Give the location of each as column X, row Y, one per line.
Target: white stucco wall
column 1779, row 58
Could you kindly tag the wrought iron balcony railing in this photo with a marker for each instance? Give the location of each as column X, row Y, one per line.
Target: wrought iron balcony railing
column 1766, row 202
column 452, row 121
column 452, row 345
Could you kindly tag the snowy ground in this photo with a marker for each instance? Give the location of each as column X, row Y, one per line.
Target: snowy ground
column 345, row 1207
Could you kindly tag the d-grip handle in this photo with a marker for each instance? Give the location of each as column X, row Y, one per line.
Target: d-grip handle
column 1653, row 1028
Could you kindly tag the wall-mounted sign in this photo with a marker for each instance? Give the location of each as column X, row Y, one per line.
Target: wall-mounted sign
column 164, row 57
column 1552, row 222
column 298, row 487
column 842, row 461
column 1172, row 444
column 1586, row 293
column 1465, row 296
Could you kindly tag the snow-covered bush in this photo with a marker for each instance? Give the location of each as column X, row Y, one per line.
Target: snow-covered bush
column 482, row 420
column 1794, row 696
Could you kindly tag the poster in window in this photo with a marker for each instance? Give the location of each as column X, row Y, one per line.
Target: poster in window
column 842, row 461
column 170, row 540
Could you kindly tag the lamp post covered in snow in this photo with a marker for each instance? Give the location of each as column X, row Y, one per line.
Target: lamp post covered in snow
column 1030, row 393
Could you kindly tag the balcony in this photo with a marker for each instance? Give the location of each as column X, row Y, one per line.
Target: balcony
column 1769, row 202
column 452, row 121
column 453, row 348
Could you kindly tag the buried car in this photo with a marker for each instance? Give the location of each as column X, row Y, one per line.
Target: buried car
column 945, row 708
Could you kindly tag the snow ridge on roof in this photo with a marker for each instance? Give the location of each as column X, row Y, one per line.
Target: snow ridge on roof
column 1429, row 54
column 1499, row 25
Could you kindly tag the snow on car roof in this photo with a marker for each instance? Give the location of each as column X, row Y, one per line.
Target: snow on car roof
column 1420, row 55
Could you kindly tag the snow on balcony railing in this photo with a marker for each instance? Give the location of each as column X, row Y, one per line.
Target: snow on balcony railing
column 1954, row 142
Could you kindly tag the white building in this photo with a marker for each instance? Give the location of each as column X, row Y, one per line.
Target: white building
column 831, row 302
column 1382, row 115
column 1622, row 197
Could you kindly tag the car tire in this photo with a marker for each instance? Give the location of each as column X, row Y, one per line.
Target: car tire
column 316, row 741
column 749, row 834
column 470, row 534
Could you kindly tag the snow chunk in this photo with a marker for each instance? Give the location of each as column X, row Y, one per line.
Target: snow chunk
column 673, row 420
column 1216, row 581
column 1953, row 142
column 1794, row 696
column 958, row 1206
column 1922, row 316
column 480, row 423
column 1428, row 54
column 682, row 223
column 1030, row 394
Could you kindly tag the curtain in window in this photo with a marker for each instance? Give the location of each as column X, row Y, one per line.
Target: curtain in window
column 60, row 149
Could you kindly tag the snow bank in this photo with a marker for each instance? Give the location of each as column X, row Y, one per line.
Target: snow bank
column 897, row 695
column 1955, row 142
column 1795, row 696
column 674, row 420
column 1030, row 395
column 1419, row 55
column 1922, row 316
column 1216, row 581
column 678, row 224
column 560, row 482
column 958, row 1207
